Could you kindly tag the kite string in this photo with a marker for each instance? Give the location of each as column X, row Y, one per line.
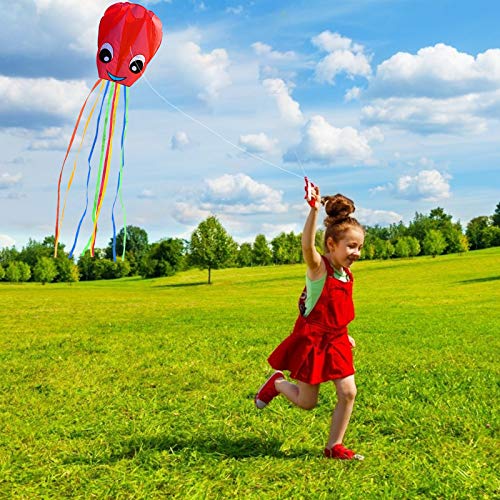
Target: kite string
column 217, row 134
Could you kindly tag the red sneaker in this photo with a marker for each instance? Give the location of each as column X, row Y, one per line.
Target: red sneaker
column 267, row 392
column 342, row 453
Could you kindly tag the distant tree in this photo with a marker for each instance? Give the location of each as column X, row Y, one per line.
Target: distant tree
column 261, row 253
column 434, row 243
column 414, row 246
column 13, row 273
column 34, row 250
column 368, row 251
column 384, row 249
column 490, row 237
column 474, row 231
column 67, row 271
column 136, row 247
column 24, row 271
column 244, row 258
column 8, row 255
column 163, row 259
column 279, row 247
column 496, row 216
column 2, row 273
column 211, row 246
column 402, row 248
column 294, row 244
column 45, row 270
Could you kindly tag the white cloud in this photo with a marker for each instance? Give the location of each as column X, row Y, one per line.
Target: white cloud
column 188, row 214
column 438, row 71
column 240, row 194
column 180, row 141
column 323, row 143
column 257, row 143
column 7, row 180
column 436, row 90
column 39, row 100
column 426, row 116
column 146, row 194
column 267, row 52
column 205, row 73
column 288, row 108
column 426, row 185
column 352, row 94
column 272, row 230
column 52, row 139
column 344, row 56
column 370, row 217
column 6, row 241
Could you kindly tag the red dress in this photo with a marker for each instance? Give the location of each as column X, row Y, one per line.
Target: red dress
column 318, row 349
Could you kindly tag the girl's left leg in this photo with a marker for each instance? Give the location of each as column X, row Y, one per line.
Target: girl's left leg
column 346, row 393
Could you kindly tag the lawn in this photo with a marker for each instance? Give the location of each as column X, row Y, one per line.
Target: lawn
column 144, row 388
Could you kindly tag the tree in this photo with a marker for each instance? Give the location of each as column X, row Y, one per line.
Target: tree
column 163, row 259
column 2, row 273
column 474, row 231
column 414, row 246
column 434, row 243
column 136, row 246
column 45, row 270
column 67, row 271
column 211, row 246
column 244, row 258
column 402, row 248
column 496, row 216
column 13, row 273
column 490, row 237
column 261, row 253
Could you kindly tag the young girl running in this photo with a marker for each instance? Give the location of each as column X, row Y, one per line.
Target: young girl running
column 319, row 349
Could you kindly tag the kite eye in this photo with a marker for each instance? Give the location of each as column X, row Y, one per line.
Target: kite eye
column 106, row 53
column 137, row 63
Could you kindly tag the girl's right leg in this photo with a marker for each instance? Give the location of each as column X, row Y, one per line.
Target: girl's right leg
column 303, row 395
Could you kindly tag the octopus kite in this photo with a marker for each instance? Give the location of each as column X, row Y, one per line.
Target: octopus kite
column 129, row 37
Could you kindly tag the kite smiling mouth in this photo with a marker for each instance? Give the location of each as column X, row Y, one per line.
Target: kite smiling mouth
column 116, row 78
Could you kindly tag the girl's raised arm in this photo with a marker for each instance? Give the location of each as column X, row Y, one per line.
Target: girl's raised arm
column 315, row 265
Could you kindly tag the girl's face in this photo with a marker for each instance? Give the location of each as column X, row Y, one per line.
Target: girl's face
column 348, row 249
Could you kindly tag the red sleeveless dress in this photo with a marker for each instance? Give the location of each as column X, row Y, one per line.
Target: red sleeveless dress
column 318, row 349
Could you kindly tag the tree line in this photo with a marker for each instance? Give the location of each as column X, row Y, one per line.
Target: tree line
column 211, row 247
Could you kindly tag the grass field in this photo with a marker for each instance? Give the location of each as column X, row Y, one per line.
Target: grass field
column 143, row 388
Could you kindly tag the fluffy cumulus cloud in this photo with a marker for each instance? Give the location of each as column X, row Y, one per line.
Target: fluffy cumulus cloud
column 180, row 141
column 257, row 143
column 266, row 51
column 436, row 90
column 204, row 73
column 230, row 195
column 439, row 71
column 35, row 102
column 344, row 56
column 288, row 108
column 323, row 143
column 371, row 217
column 426, row 185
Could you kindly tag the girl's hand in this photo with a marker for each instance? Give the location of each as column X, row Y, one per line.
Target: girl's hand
column 352, row 342
column 316, row 198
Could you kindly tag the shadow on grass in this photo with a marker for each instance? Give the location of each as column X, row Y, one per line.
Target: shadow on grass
column 214, row 447
column 480, row 280
column 182, row 285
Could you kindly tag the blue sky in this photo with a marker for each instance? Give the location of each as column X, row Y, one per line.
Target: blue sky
column 393, row 103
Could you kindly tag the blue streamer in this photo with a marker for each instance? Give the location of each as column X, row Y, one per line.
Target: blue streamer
column 124, row 127
column 89, row 170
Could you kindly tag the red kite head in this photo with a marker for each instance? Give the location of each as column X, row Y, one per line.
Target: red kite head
column 129, row 36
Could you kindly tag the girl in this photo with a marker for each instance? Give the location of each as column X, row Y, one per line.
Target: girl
column 319, row 349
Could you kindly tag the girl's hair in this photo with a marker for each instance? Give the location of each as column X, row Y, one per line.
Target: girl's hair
column 338, row 210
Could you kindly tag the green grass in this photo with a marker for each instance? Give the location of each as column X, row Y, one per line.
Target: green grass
column 143, row 388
